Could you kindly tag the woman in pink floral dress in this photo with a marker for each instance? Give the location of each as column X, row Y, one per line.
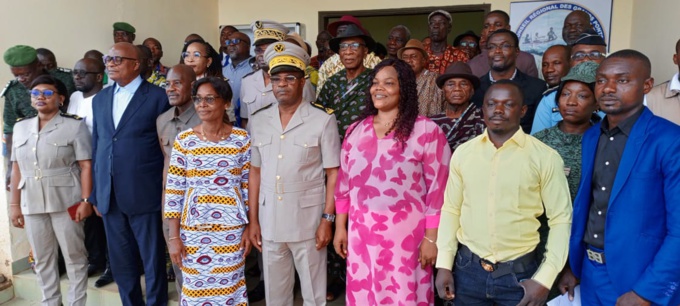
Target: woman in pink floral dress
column 394, row 166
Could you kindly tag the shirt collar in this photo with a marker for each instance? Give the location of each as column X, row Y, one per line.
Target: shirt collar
column 626, row 126
column 675, row 83
column 186, row 115
column 519, row 138
column 514, row 74
column 130, row 87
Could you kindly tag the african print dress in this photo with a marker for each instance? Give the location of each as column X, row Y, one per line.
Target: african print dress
column 391, row 197
column 207, row 189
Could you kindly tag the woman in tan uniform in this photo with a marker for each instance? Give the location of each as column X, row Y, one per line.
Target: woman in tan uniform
column 51, row 181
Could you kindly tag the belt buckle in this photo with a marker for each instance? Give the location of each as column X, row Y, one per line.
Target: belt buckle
column 38, row 174
column 595, row 256
column 487, row 265
column 279, row 188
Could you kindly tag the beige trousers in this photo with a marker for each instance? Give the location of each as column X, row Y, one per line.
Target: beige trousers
column 280, row 260
column 46, row 233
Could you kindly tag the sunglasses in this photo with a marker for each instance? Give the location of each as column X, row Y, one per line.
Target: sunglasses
column 594, row 55
column 233, row 41
column 470, row 44
column 352, row 46
column 47, row 93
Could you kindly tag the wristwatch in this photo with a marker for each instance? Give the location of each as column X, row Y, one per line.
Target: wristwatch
column 328, row 217
column 85, row 200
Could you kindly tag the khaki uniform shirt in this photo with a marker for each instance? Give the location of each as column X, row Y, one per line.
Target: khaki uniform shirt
column 254, row 95
column 48, row 162
column 169, row 125
column 292, row 161
column 664, row 100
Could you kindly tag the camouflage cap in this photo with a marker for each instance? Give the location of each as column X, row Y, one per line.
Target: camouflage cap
column 20, row 55
column 124, row 26
column 583, row 72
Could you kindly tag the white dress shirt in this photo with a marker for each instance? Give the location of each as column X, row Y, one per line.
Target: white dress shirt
column 81, row 106
column 121, row 98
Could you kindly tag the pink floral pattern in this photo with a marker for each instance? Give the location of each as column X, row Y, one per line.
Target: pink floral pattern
column 391, row 196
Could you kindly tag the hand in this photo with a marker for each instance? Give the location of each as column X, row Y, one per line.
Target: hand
column 84, row 210
column 428, row 254
column 567, row 282
column 535, row 294
column 323, row 234
column 16, row 216
column 245, row 243
column 631, row 299
column 444, row 283
column 340, row 242
column 96, row 211
column 177, row 251
column 255, row 235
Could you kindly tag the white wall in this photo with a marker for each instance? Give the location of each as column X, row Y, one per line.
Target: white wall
column 655, row 30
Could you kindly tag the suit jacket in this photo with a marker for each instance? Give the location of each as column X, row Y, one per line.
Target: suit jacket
column 642, row 229
column 129, row 156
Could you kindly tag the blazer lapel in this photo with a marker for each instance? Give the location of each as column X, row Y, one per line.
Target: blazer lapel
column 630, row 153
column 107, row 108
column 137, row 100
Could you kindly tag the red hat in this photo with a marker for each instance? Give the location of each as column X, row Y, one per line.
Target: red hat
column 347, row 19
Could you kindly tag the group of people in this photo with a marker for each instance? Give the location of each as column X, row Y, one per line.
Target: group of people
column 439, row 173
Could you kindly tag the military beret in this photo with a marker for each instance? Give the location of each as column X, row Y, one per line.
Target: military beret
column 590, row 37
column 285, row 56
column 123, row 26
column 267, row 31
column 20, row 55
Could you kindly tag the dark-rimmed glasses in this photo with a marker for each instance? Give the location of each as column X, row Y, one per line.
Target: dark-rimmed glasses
column 208, row 99
column 233, row 41
column 593, row 55
column 351, row 46
column 117, row 60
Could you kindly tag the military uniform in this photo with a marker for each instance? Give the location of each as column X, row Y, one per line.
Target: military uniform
column 50, row 184
column 292, row 162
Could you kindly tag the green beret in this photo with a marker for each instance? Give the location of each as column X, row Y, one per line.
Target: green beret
column 20, row 55
column 123, row 26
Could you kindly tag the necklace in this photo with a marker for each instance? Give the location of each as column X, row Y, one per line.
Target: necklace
column 205, row 138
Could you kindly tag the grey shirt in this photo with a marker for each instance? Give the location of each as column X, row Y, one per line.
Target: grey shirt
column 169, row 125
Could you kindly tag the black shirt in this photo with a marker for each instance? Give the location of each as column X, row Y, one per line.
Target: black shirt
column 532, row 88
column 610, row 148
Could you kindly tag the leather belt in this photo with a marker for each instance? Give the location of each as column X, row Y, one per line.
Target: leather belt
column 521, row 264
column 595, row 254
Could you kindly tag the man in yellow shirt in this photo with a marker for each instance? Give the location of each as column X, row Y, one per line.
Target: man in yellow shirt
column 499, row 184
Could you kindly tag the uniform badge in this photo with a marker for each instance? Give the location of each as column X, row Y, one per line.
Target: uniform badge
column 258, row 24
column 279, row 48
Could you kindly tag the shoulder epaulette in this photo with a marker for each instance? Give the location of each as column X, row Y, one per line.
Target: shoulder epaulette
column 550, row 90
column 72, row 116
column 321, row 107
column 27, row 117
column 64, row 69
column 263, row 108
column 4, row 90
column 249, row 73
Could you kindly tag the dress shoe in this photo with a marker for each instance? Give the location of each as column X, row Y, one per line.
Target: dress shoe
column 93, row 269
column 256, row 294
column 104, row 280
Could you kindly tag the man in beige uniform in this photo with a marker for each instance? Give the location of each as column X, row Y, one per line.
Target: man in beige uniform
column 180, row 117
column 256, row 90
column 664, row 99
column 295, row 160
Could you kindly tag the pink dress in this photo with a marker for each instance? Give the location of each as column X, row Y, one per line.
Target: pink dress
column 391, row 196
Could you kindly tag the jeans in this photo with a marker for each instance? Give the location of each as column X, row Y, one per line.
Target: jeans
column 475, row 286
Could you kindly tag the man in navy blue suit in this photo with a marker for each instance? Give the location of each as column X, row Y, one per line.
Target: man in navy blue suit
column 625, row 236
column 128, row 172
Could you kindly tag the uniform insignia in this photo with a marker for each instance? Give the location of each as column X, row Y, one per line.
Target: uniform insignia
column 64, row 69
column 27, row 117
column 72, row 116
column 279, row 48
column 549, row 90
column 4, row 90
column 249, row 74
column 263, row 108
column 321, row 107
column 258, row 24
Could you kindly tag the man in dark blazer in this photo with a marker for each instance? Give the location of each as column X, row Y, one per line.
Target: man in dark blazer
column 128, row 172
column 625, row 236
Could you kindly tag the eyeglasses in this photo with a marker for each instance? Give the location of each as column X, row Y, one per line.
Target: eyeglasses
column 504, row 47
column 289, row 79
column 208, row 99
column 593, row 55
column 194, row 54
column 352, row 46
column 47, row 93
column 117, row 60
column 81, row 73
column 470, row 44
column 233, row 41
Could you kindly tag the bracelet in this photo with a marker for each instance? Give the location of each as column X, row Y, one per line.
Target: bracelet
column 173, row 238
column 430, row 240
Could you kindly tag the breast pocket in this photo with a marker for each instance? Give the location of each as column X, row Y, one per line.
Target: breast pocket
column 264, row 146
column 60, row 148
column 307, row 149
column 21, row 149
column 248, row 102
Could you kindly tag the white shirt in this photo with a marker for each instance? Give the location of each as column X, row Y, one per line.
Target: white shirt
column 121, row 98
column 675, row 83
column 81, row 106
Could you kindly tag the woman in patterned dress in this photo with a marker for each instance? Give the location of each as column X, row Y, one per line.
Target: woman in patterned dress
column 205, row 201
column 394, row 165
